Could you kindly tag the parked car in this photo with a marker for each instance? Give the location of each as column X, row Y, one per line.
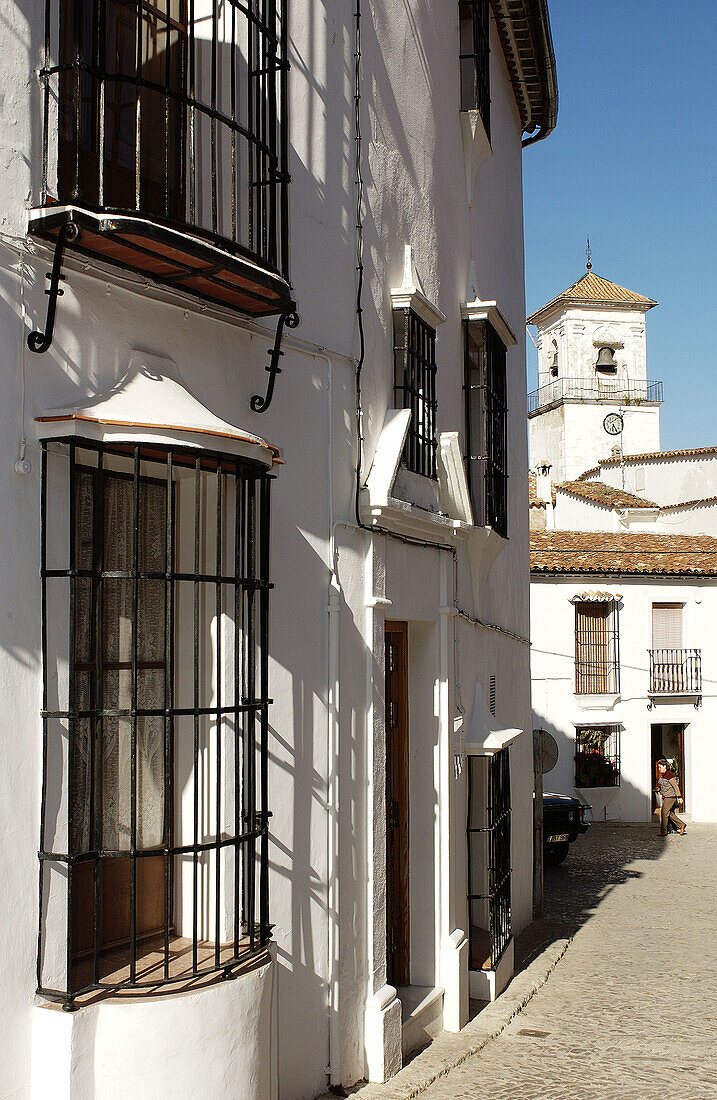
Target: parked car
column 563, row 821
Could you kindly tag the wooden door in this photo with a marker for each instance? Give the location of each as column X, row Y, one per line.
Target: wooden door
column 397, row 849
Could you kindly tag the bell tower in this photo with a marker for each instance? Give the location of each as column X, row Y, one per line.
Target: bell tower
column 593, row 391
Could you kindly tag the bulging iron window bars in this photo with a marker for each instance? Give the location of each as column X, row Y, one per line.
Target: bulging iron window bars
column 175, row 110
column 597, row 648
column 474, row 21
column 597, row 756
column 486, row 435
column 489, row 852
column 415, row 388
column 154, row 830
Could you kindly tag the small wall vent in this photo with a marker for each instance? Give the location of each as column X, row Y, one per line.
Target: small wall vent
column 491, row 696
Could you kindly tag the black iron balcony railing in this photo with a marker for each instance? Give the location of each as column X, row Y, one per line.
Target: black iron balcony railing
column 610, row 390
column 165, row 143
column 675, row 671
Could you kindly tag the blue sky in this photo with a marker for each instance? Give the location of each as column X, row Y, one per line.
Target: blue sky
column 632, row 163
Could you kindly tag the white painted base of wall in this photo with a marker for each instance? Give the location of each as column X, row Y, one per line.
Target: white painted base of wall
column 454, row 976
column 383, row 1034
column 422, row 1015
column 486, row 985
column 218, row 1042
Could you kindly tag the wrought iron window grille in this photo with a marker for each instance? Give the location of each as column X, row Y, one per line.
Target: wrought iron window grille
column 415, row 389
column 489, row 846
column 597, row 648
column 474, row 58
column 165, row 142
column 597, row 756
column 154, row 828
column 486, row 424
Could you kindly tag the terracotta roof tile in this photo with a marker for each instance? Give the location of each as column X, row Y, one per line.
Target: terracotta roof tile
column 599, row 493
column 609, row 553
column 592, row 289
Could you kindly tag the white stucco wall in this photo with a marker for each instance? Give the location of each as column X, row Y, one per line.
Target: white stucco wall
column 557, row 709
column 665, row 479
column 578, row 332
column 576, row 514
column 415, row 194
column 572, row 437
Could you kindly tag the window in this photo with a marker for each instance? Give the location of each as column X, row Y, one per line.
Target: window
column 485, row 385
column 175, row 111
column 415, row 388
column 474, row 19
column 597, row 668
column 554, row 367
column 673, row 670
column 489, row 843
column 667, row 625
column 154, row 831
column 597, row 756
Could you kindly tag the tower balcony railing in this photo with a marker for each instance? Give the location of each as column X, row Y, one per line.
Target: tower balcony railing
column 164, row 143
column 675, row 671
column 610, row 390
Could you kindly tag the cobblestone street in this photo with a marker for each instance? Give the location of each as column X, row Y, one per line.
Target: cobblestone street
column 630, row 1010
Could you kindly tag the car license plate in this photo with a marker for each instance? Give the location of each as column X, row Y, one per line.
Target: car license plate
column 558, row 838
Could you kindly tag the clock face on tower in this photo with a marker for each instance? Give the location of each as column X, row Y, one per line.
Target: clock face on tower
column 612, row 423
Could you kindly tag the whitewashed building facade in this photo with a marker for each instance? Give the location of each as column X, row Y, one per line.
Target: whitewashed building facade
column 623, row 566
column 264, row 635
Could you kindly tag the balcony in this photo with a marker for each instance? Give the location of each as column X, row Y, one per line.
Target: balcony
column 165, row 144
column 675, row 672
column 611, row 391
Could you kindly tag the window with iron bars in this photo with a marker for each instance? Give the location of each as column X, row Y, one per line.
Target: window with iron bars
column 474, row 20
column 489, row 853
column 415, row 388
column 486, row 434
column 175, row 110
column 597, row 756
column 154, row 829
column 597, row 648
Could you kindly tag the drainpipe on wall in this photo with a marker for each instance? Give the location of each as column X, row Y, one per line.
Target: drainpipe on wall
column 333, row 608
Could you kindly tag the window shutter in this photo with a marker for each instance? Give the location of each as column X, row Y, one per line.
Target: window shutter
column 667, row 626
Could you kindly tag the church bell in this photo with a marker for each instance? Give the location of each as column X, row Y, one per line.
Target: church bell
column 606, row 360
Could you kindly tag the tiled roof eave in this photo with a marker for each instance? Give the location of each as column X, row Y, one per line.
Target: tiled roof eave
column 586, row 572
column 525, row 36
column 649, row 456
column 591, row 553
column 562, row 302
column 592, row 291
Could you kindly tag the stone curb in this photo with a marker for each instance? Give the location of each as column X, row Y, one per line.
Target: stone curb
column 452, row 1049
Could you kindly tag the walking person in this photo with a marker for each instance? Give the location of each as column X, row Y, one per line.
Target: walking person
column 669, row 790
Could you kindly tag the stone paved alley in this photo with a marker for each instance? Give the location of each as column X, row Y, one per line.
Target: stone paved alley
column 630, row 1010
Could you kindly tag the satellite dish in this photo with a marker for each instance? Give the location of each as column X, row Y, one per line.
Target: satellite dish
column 546, row 750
